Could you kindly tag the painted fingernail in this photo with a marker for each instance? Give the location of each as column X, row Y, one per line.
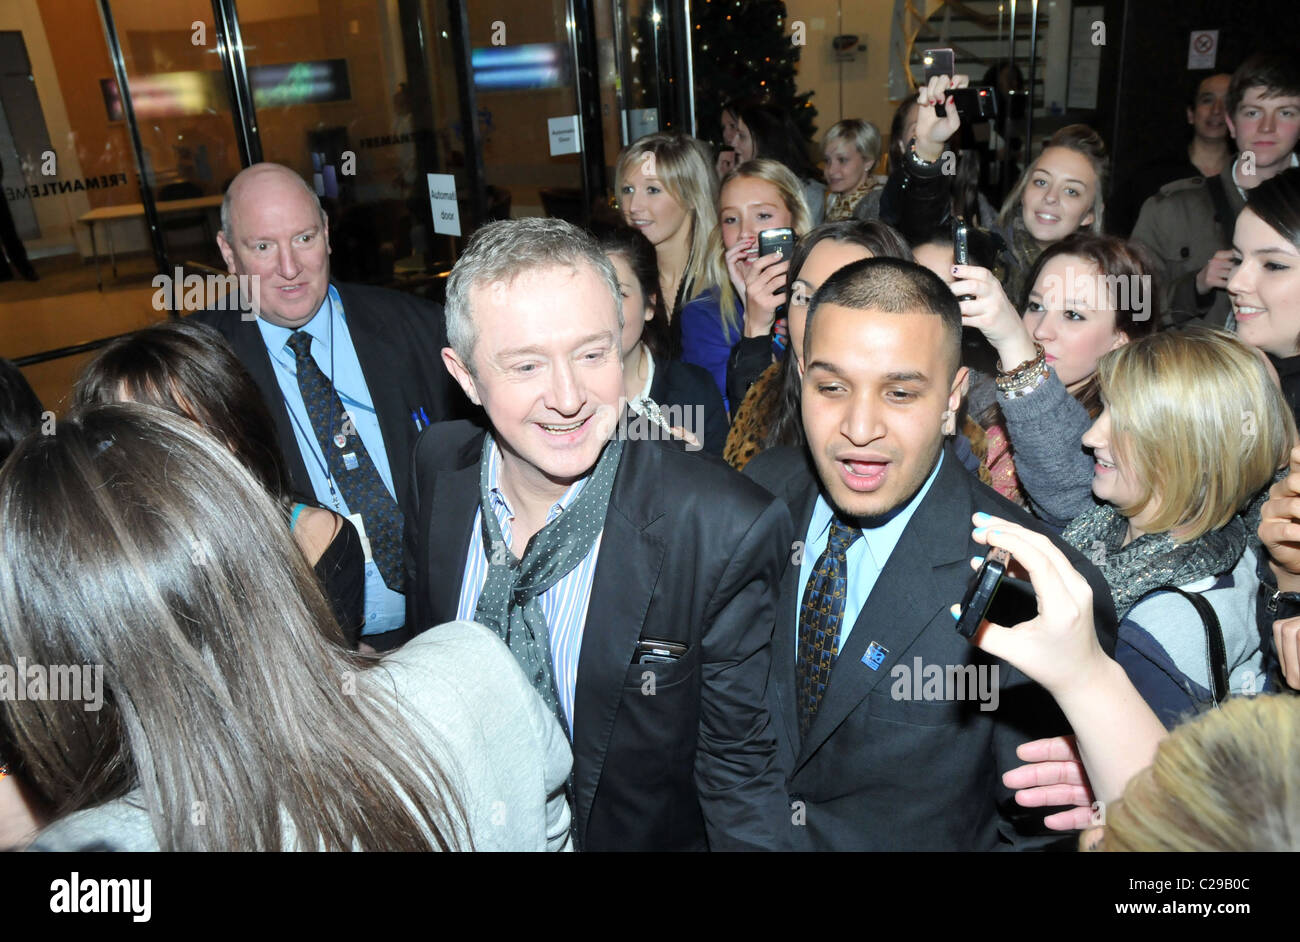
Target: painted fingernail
column 954, row 269
column 980, row 531
column 955, row 612
column 977, row 560
column 981, row 516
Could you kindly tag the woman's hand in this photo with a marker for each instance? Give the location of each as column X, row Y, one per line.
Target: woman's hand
column 989, row 310
column 932, row 131
column 726, row 163
column 1279, row 526
column 1054, row 775
column 764, row 292
column 1058, row 648
column 735, row 259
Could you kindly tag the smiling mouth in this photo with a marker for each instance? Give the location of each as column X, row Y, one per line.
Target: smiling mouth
column 1104, row 464
column 562, row 429
column 1246, row 311
column 1047, row 218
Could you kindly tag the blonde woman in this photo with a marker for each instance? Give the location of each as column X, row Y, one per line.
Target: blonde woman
column 852, row 148
column 667, row 191
column 1192, row 427
column 744, row 290
column 1060, row 193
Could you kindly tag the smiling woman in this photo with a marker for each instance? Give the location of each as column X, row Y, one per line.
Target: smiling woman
column 1265, row 283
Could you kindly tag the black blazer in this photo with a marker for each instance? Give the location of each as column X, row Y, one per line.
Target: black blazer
column 690, row 387
column 398, row 339
column 880, row 773
column 691, row 552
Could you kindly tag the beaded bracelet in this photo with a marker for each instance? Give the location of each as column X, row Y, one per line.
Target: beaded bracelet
column 1025, row 374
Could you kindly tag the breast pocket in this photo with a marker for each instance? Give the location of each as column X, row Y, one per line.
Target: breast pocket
column 651, row 677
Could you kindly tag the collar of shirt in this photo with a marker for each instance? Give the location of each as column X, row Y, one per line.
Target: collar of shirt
column 881, row 539
column 502, row 504
column 277, row 337
column 1295, row 162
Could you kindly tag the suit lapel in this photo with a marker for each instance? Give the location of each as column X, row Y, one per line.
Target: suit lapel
column 800, row 497
column 251, row 350
column 450, row 528
column 378, row 356
column 904, row 600
column 627, row 570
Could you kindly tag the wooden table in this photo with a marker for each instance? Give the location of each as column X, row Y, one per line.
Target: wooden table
column 133, row 211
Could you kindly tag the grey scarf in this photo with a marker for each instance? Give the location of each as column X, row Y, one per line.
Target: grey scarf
column 509, row 603
column 1154, row 559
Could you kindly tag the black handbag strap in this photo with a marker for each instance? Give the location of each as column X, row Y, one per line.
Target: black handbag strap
column 1216, row 652
column 1223, row 213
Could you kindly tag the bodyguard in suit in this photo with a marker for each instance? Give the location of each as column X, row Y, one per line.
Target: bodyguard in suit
column 635, row 581
column 350, row 373
column 894, row 730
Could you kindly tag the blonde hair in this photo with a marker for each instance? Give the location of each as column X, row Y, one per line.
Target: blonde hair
column 781, row 177
column 863, row 135
column 680, row 164
column 1082, row 140
column 1182, row 403
column 1226, row 781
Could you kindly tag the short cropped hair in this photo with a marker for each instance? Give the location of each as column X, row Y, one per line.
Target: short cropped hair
column 893, row 286
column 863, row 135
column 1182, row 403
column 1277, row 74
column 502, row 251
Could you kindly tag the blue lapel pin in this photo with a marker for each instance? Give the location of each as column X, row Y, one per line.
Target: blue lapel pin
column 875, row 655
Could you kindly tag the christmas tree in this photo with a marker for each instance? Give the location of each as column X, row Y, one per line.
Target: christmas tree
column 744, row 48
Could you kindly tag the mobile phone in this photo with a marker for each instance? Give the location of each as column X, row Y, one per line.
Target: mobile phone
column 975, row 104
column 782, row 242
column 658, row 652
column 776, row 240
column 981, row 592
column 961, row 248
column 939, row 62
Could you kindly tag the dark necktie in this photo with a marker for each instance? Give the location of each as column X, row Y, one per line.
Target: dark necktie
column 350, row 464
column 820, row 616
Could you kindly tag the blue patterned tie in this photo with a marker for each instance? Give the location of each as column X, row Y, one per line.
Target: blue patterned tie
column 357, row 479
column 820, row 616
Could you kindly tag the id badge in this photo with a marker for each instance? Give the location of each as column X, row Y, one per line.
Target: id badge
column 356, row 521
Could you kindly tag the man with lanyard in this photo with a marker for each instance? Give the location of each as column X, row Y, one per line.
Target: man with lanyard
column 1189, row 223
column 350, row 373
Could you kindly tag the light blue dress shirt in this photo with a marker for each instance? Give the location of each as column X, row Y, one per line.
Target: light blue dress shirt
column 334, row 353
column 865, row 558
column 564, row 604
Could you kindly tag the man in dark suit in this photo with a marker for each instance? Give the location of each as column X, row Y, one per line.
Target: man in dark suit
column 371, row 375
column 634, row 581
column 894, row 730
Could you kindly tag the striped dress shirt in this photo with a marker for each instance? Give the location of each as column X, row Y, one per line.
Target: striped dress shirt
column 564, row 604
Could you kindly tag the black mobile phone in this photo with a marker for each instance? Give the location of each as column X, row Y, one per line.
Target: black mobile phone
column 961, row 248
column 939, row 62
column 776, row 240
column 981, row 591
column 780, row 241
column 976, row 104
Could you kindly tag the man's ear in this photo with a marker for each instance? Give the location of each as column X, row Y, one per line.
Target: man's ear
column 227, row 251
column 1191, row 115
column 326, row 233
column 960, row 383
column 1232, row 125
column 461, row 373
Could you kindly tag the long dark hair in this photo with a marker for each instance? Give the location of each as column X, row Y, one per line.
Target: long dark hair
column 135, row 542
column 618, row 238
column 20, row 410
column 1276, row 202
column 776, row 137
column 189, row 369
column 878, row 239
